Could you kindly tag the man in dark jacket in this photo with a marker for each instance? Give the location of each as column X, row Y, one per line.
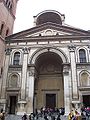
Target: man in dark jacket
column 24, row 117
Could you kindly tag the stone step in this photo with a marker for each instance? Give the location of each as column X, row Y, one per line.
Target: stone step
column 13, row 117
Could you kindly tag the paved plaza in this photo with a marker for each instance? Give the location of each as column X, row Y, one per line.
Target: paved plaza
column 16, row 117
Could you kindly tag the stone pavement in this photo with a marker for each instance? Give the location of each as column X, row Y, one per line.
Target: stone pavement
column 16, row 117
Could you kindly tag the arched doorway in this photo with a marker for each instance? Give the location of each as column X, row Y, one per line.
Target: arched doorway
column 49, row 84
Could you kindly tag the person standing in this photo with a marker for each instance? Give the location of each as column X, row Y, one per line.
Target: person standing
column 58, row 118
column 2, row 115
column 24, row 117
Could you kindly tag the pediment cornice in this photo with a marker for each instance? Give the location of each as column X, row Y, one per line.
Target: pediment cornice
column 59, row 28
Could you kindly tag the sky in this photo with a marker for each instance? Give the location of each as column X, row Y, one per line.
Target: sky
column 77, row 12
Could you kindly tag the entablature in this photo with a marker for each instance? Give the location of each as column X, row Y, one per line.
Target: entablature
column 15, row 68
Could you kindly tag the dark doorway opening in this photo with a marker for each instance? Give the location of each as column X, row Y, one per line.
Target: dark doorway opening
column 86, row 100
column 51, row 100
column 12, row 104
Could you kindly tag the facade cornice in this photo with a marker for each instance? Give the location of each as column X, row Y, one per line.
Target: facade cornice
column 49, row 38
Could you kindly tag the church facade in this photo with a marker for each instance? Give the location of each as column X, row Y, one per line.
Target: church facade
column 47, row 65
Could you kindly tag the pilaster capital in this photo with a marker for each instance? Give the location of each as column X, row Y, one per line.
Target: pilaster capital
column 32, row 71
column 8, row 51
column 65, row 69
column 71, row 48
column 25, row 50
column 89, row 47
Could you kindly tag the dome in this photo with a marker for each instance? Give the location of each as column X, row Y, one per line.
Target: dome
column 49, row 16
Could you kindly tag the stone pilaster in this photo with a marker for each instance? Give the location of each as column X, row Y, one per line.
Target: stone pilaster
column 73, row 72
column 4, row 79
column 67, row 99
column 24, row 73
column 22, row 101
column 31, row 79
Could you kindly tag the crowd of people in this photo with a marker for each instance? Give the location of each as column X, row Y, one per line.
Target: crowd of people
column 84, row 115
column 54, row 114
column 85, row 112
column 46, row 114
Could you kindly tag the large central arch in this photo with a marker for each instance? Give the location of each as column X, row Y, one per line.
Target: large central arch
column 59, row 52
column 49, row 83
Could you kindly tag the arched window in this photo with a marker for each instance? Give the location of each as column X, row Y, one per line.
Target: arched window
column 16, row 59
column 82, row 56
column 84, row 80
column 1, row 29
column 13, row 81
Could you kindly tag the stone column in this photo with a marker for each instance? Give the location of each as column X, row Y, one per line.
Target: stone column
column 31, row 79
column 22, row 101
column 4, row 79
column 67, row 99
column 73, row 73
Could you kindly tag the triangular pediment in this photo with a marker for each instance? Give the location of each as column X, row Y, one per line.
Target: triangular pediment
column 48, row 32
column 48, row 29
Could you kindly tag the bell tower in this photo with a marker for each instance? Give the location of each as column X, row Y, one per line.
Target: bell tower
column 7, row 18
